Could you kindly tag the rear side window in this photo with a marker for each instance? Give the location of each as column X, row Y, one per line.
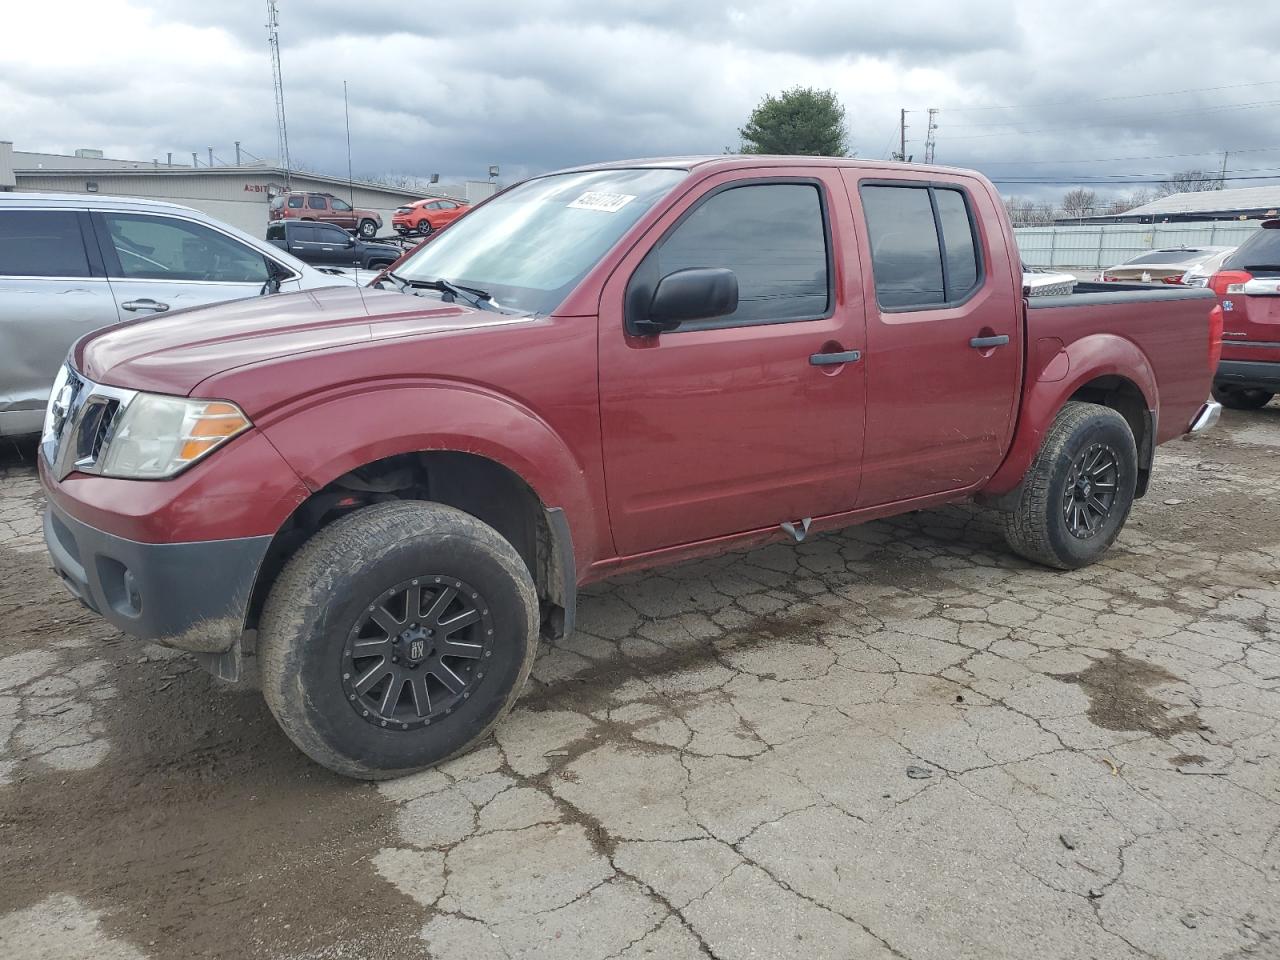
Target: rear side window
column 772, row 236
column 316, row 203
column 41, row 243
column 1261, row 253
column 924, row 250
column 167, row 248
column 295, row 203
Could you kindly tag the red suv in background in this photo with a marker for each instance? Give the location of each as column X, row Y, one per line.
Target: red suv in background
column 1248, row 288
column 426, row 216
column 326, row 208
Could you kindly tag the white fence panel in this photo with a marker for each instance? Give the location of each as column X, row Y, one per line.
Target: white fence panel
column 1098, row 245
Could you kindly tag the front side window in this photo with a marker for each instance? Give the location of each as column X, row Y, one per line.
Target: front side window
column 531, row 245
column 924, row 251
column 772, row 236
column 295, row 203
column 316, row 203
column 167, row 248
column 339, row 204
column 41, row 243
column 331, row 234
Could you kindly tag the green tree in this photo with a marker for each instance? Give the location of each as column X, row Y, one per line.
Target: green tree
column 802, row 121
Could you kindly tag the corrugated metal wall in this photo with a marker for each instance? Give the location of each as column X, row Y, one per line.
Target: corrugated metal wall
column 1105, row 244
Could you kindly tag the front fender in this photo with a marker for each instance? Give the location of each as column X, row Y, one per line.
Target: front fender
column 1053, row 377
column 334, row 436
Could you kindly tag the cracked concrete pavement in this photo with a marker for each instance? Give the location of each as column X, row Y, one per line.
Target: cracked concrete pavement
column 896, row 741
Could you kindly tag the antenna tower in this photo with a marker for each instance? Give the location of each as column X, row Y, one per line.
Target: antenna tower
column 282, row 130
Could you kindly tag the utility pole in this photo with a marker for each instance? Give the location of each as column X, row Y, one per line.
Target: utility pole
column 282, row 130
column 929, row 141
column 1222, row 179
column 902, row 135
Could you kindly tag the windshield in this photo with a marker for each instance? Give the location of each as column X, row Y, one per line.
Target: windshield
column 530, row 246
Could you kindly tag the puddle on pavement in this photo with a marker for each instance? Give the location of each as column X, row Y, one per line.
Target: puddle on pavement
column 1118, row 688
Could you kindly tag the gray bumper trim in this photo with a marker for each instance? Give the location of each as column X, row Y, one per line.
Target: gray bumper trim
column 187, row 595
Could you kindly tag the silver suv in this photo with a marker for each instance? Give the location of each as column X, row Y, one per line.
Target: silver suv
column 70, row 264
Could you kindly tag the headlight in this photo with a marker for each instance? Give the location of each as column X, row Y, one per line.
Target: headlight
column 158, row 436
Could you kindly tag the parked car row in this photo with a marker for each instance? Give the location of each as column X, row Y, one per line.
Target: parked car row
column 420, row 218
column 1171, row 265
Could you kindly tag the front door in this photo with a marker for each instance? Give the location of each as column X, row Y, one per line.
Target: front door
column 737, row 423
column 333, row 246
column 944, row 351
column 158, row 262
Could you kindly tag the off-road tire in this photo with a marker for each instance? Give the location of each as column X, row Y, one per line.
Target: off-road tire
column 367, row 229
column 1036, row 527
column 1241, row 398
column 324, row 589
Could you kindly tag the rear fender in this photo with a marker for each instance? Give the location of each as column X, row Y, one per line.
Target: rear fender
column 335, row 436
column 1052, row 381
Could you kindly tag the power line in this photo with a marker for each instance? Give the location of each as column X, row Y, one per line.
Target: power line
column 1105, row 177
column 1181, row 112
column 1115, row 183
column 1095, row 121
column 1132, row 96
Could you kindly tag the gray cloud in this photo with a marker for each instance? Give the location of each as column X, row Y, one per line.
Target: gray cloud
column 452, row 88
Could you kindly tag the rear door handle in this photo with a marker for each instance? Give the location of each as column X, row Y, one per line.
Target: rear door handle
column 831, row 359
column 144, row 304
column 984, row 343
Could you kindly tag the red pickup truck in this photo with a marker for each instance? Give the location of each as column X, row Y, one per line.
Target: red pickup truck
column 387, row 494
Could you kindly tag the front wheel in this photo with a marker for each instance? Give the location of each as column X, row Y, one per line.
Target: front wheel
column 1241, row 398
column 397, row 637
column 1078, row 492
column 367, row 229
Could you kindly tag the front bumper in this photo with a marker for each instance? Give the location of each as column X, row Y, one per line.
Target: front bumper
column 1249, row 374
column 193, row 596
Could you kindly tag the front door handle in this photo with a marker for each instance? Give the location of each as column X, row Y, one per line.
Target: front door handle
column 831, row 359
column 986, row 343
column 144, row 304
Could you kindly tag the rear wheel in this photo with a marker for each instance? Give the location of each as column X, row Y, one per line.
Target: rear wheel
column 424, row 227
column 396, row 638
column 367, row 229
column 1241, row 398
column 1077, row 495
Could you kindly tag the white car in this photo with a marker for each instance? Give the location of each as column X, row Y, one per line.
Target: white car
column 70, row 264
column 1161, row 266
column 1198, row 276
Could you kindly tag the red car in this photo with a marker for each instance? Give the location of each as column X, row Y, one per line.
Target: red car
column 389, row 493
column 325, row 208
column 426, row 216
column 1248, row 285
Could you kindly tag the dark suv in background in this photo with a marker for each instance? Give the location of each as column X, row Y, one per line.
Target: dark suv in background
column 1248, row 287
column 324, row 245
column 325, row 208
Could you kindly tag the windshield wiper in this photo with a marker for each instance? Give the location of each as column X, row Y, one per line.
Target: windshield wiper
column 480, row 299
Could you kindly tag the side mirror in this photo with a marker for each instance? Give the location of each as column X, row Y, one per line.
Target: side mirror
column 699, row 293
column 351, row 241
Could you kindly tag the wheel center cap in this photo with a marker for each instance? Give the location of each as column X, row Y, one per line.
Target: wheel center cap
column 417, row 645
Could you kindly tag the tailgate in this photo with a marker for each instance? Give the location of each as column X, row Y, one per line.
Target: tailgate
column 1251, row 321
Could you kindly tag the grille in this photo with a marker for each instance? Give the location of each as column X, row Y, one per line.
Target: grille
column 82, row 416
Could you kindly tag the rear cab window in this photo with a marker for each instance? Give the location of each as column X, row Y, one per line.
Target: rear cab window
column 924, row 246
column 42, row 243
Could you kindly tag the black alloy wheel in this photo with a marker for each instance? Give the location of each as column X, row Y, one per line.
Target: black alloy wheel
column 417, row 652
column 1090, row 492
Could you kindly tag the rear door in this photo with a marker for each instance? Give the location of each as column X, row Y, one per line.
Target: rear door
column 729, row 425
column 160, row 262
column 944, row 352
column 53, row 290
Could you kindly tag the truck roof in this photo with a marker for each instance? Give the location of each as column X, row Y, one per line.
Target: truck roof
column 737, row 161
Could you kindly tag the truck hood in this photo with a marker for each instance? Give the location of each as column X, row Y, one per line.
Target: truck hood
column 174, row 352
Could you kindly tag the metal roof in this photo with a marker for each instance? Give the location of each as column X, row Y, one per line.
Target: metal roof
column 1210, row 201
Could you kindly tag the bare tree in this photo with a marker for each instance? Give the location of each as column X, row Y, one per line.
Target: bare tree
column 1025, row 212
column 1079, row 202
column 1189, row 181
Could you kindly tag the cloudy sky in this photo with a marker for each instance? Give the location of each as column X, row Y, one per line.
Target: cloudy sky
column 1027, row 89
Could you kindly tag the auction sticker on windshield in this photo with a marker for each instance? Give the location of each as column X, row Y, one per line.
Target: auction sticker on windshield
column 605, row 202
